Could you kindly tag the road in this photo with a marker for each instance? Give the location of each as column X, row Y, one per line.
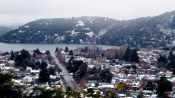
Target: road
column 68, row 80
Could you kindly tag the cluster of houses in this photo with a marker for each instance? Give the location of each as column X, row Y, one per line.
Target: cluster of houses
column 28, row 78
column 128, row 79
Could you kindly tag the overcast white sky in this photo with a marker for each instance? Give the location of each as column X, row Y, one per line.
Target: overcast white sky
column 22, row 11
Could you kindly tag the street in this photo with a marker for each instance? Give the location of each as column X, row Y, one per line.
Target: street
column 68, row 80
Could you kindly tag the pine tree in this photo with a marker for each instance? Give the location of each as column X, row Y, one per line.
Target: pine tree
column 56, row 50
column 127, row 53
column 171, row 55
column 12, row 55
column 66, row 49
column 133, row 57
column 7, row 87
column 162, row 61
column 163, row 86
column 44, row 75
column 71, row 52
column 171, row 60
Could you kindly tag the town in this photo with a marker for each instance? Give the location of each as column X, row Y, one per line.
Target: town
column 88, row 72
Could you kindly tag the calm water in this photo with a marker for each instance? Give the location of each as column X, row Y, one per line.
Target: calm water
column 43, row 47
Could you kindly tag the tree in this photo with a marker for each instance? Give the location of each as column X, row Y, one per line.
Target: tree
column 162, row 61
column 73, row 65
column 37, row 65
column 171, row 60
column 71, row 52
column 59, row 93
column 44, row 75
column 43, row 65
column 66, row 49
column 37, row 51
column 171, row 55
column 163, row 86
column 90, row 92
column 72, row 93
column 82, row 70
column 149, row 86
column 85, row 49
column 133, row 57
column 52, row 71
column 7, row 89
column 106, row 75
column 110, row 94
column 26, row 62
column 56, row 50
column 12, row 55
column 127, row 54
column 20, row 59
column 25, row 54
column 47, row 52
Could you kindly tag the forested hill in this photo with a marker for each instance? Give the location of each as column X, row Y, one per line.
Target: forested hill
column 4, row 29
column 157, row 31
column 59, row 30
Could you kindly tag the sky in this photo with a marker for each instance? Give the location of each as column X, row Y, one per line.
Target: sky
column 22, row 11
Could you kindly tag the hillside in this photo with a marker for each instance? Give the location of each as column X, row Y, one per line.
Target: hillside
column 79, row 30
column 4, row 29
column 158, row 31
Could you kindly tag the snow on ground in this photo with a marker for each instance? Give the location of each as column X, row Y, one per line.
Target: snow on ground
column 74, row 33
column 90, row 34
column 80, row 24
column 26, row 26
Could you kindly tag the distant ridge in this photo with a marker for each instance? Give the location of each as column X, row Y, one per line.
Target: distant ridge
column 158, row 31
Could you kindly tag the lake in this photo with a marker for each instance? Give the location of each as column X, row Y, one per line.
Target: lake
column 43, row 47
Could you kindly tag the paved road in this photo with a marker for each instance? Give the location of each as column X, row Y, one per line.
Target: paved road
column 67, row 78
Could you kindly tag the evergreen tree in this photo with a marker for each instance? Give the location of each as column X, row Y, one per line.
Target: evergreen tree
column 133, row 57
column 7, row 88
column 171, row 60
column 85, row 49
column 149, row 86
column 44, row 75
column 47, row 52
column 37, row 51
column 82, row 70
column 71, row 52
column 12, row 55
column 66, row 49
column 106, row 75
column 163, row 86
column 162, row 58
column 127, row 54
column 25, row 54
column 56, row 50
column 52, row 71
column 171, row 56
column 43, row 65
column 162, row 61
column 26, row 62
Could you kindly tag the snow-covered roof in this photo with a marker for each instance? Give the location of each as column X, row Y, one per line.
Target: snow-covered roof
column 27, row 79
column 34, row 71
column 53, row 76
column 91, row 66
column 106, row 86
